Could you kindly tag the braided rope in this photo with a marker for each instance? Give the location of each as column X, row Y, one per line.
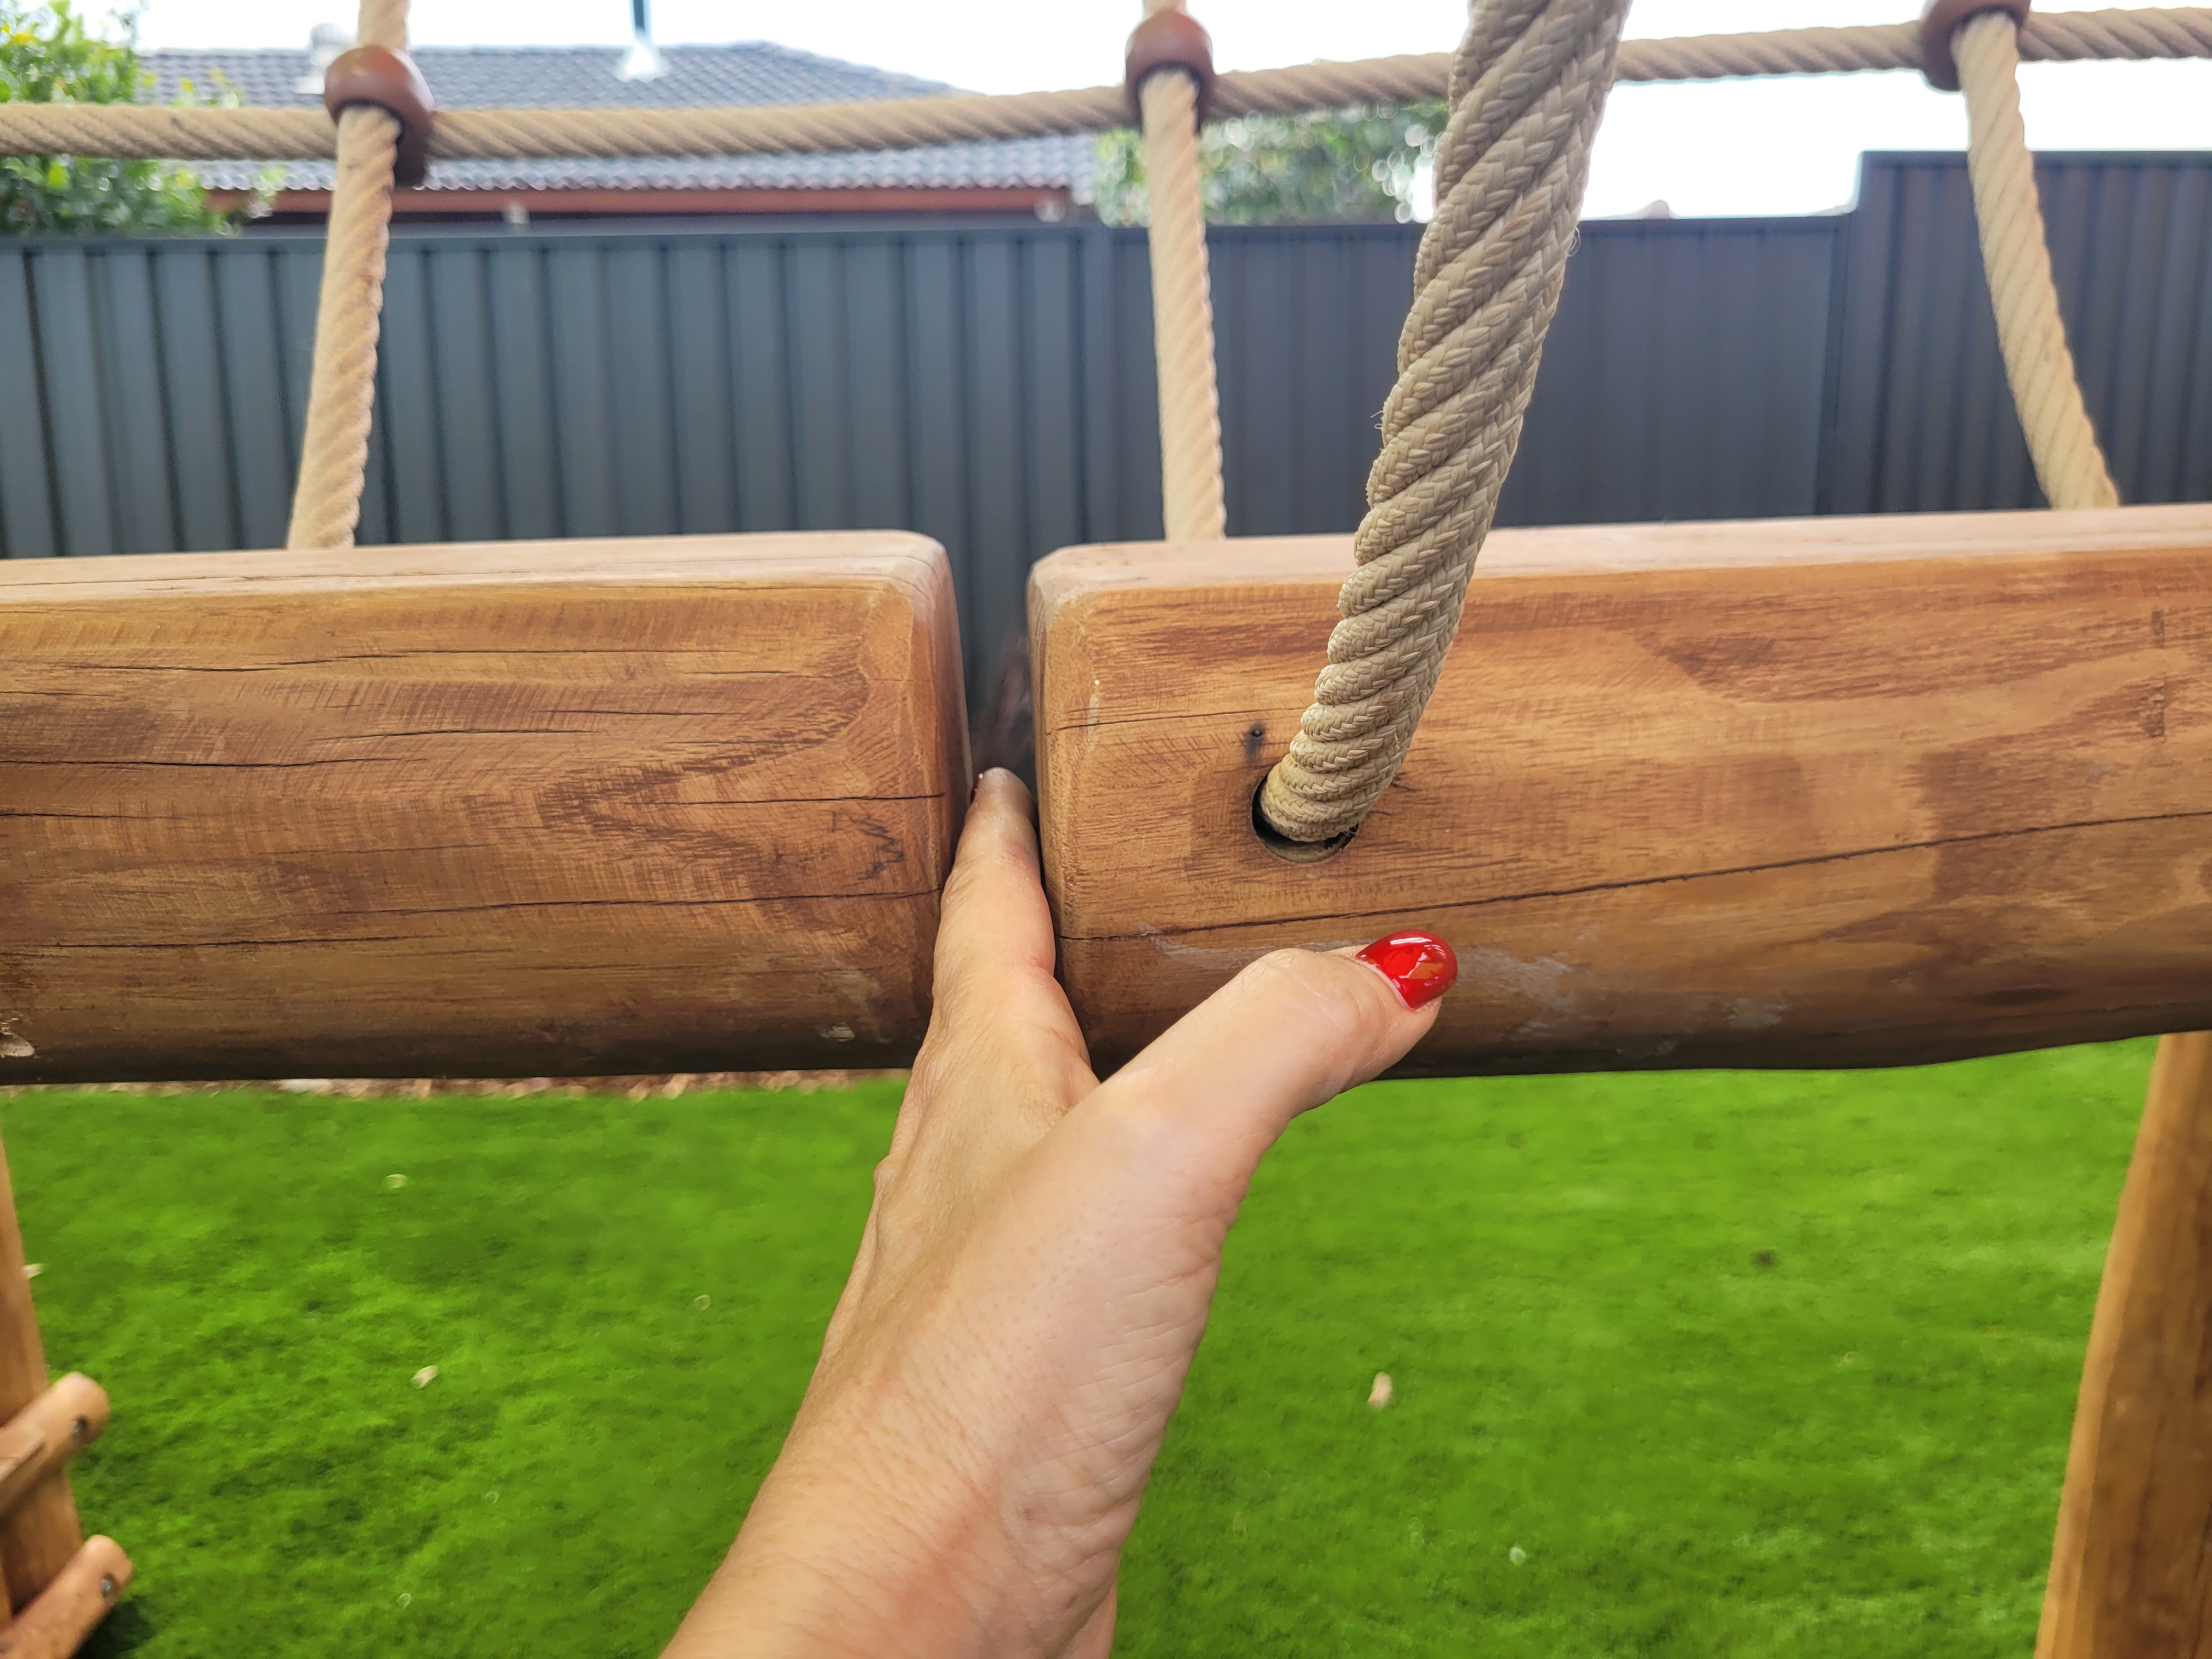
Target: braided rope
column 276, row 135
column 1191, row 498
column 801, row 128
column 1528, row 84
column 383, row 23
column 2151, row 32
column 2061, row 439
column 342, row 388
column 2048, row 37
column 1783, row 51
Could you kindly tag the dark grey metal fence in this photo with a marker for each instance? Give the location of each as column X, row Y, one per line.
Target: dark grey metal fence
column 1921, row 418
column 993, row 387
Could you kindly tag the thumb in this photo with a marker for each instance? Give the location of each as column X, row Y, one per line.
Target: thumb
column 1294, row 1029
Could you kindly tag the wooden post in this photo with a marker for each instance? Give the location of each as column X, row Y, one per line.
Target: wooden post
column 40, row 1533
column 2130, row 1576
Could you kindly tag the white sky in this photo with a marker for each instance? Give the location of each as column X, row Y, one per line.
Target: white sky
column 1740, row 147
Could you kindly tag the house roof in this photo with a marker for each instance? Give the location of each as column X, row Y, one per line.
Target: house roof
column 556, row 77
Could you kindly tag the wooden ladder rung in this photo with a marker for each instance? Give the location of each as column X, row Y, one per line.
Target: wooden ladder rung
column 46, row 1433
column 58, row 1620
column 584, row 807
column 1833, row 792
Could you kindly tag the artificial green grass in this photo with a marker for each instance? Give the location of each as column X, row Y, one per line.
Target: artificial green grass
column 1854, row 1450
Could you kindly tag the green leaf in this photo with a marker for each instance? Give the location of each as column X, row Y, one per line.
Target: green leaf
column 1336, row 166
column 53, row 54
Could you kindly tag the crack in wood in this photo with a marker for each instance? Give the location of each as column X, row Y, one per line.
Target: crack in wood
column 220, row 766
column 204, row 944
column 78, row 665
column 1151, row 931
column 1177, row 716
column 846, row 897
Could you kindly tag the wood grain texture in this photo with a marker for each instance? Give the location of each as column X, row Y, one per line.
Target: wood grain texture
column 2130, row 1576
column 523, row 809
column 1818, row 793
column 39, row 1533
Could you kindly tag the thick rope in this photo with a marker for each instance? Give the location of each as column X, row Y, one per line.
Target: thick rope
column 2049, row 37
column 1191, row 502
column 2031, row 334
column 382, row 23
column 342, row 390
column 276, row 135
column 1528, row 85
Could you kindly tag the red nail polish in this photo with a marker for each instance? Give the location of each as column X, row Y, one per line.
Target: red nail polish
column 1420, row 965
column 975, row 788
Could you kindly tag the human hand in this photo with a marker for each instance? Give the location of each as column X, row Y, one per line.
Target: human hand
column 1031, row 1285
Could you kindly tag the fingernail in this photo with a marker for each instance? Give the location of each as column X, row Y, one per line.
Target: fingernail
column 1420, row 965
column 976, row 788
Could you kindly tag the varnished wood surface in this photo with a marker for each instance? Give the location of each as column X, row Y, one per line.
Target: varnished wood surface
column 2130, row 1577
column 662, row 805
column 1832, row 792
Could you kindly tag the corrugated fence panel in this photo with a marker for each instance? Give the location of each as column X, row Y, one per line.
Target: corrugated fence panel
column 706, row 442
column 415, row 440
column 1306, row 325
column 465, row 396
column 262, row 428
column 993, row 386
column 998, row 483
column 521, row 366
column 1052, row 309
column 27, row 502
column 138, row 436
column 1132, row 383
column 1683, row 376
column 760, row 350
column 582, row 389
column 1922, row 420
column 191, row 369
column 71, row 358
column 937, row 399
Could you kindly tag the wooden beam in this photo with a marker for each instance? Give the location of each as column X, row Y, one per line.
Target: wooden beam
column 1822, row 793
column 2130, row 1577
column 524, row 809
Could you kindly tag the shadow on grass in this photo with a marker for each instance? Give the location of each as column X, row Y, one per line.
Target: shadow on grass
column 126, row 1630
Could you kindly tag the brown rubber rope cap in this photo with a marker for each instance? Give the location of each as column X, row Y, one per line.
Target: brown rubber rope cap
column 1170, row 37
column 1941, row 20
column 388, row 79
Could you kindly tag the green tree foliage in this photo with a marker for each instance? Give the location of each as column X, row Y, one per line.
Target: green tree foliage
column 50, row 54
column 1334, row 165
